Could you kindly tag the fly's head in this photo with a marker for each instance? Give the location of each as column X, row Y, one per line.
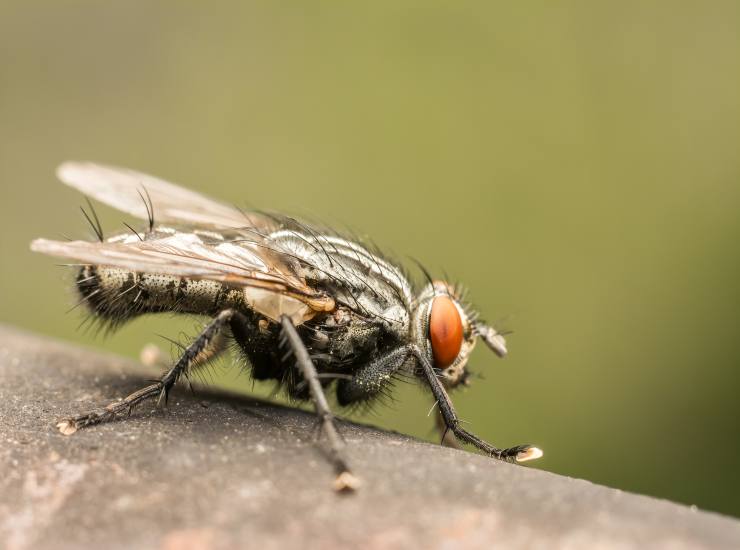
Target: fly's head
column 447, row 332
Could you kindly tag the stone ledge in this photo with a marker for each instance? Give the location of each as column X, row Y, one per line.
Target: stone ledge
column 223, row 471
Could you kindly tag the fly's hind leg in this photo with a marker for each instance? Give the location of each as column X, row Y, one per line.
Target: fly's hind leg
column 206, row 346
column 345, row 481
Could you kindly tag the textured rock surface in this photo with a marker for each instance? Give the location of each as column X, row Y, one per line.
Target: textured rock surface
column 220, row 471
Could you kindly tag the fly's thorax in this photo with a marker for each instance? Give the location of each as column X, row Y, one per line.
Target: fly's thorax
column 358, row 277
column 444, row 331
column 346, row 336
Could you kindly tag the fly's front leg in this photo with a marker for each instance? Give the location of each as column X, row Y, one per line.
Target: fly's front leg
column 447, row 438
column 345, row 481
column 520, row 453
column 206, row 346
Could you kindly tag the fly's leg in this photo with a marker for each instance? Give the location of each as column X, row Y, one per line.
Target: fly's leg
column 345, row 481
column 372, row 378
column 205, row 347
column 520, row 453
column 447, row 438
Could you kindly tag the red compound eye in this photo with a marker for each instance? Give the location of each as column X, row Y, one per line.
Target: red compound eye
column 445, row 331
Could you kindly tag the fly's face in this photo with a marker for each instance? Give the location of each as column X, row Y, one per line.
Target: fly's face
column 447, row 332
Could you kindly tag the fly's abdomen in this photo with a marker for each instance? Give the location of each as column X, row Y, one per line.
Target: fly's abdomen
column 118, row 294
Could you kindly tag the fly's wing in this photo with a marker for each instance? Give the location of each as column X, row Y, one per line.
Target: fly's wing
column 128, row 190
column 271, row 283
column 270, row 279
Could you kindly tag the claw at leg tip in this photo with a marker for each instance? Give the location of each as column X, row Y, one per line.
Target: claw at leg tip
column 346, row 483
column 66, row 427
column 532, row 453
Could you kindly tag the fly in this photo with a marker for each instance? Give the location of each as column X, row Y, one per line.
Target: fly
column 306, row 307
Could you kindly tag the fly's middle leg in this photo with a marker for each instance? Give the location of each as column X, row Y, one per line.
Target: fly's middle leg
column 206, row 346
column 345, row 481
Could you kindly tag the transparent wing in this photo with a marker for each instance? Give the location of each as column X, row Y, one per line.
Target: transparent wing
column 127, row 191
column 271, row 284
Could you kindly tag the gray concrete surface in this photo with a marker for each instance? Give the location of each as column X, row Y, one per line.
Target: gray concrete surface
column 220, row 471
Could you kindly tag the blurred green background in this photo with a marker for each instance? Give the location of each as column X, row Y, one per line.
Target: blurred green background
column 575, row 164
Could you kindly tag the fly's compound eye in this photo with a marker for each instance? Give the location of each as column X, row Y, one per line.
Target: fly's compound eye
column 445, row 331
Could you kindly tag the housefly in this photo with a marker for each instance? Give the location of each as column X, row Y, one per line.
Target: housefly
column 306, row 307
